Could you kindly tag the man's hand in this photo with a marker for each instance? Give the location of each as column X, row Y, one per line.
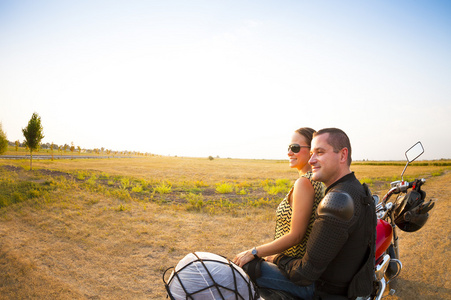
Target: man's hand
column 243, row 258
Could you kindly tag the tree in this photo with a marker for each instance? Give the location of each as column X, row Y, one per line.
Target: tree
column 3, row 141
column 72, row 147
column 33, row 135
column 51, row 149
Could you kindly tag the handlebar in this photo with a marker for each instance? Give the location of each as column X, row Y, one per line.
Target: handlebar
column 402, row 186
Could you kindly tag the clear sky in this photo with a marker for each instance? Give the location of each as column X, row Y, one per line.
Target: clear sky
column 228, row 78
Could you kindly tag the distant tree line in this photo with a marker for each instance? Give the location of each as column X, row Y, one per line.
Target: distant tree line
column 67, row 148
column 33, row 134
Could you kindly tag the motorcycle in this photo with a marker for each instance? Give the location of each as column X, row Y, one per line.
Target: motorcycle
column 408, row 212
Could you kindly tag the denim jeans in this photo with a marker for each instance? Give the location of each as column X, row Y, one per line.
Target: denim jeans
column 273, row 278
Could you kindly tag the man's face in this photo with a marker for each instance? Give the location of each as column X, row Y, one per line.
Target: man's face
column 324, row 161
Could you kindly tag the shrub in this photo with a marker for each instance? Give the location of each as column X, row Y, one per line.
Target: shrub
column 198, row 183
column 137, row 189
column 195, row 190
column 266, row 183
column 283, row 182
column 122, row 207
column 224, row 188
column 3, row 141
column 81, row 175
column 125, row 183
column 92, row 180
column 277, row 189
column 163, row 188
column 368, row 181
column 241, row 192
column 104, row 175
column 280, row 186
column 195, row 201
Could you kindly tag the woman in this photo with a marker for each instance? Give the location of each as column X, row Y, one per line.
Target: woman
column 295, row 216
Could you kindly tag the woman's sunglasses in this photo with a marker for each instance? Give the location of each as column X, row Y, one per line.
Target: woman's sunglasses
column 295, row 148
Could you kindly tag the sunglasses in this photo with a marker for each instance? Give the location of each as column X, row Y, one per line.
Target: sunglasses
column 295, row 148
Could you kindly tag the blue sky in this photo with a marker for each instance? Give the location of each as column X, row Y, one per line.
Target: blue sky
column 228, row 78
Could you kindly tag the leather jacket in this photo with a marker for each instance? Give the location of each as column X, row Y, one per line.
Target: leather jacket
column 340, row 251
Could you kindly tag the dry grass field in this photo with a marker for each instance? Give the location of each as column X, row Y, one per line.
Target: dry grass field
column 108, row 228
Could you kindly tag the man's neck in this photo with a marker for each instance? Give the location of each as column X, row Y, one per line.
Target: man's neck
column 344, row 177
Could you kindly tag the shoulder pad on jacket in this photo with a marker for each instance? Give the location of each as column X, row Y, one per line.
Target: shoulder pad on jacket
column 337, row 204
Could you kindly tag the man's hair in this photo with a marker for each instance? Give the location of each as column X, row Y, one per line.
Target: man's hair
column 307, row 133
column 338, row 140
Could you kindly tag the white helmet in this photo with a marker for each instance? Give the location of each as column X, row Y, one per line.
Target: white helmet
column 203, row 275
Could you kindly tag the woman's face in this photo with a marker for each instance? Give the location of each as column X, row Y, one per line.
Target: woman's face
column 299, row 160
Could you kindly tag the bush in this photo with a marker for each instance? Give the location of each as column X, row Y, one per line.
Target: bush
column 125, row 183
column 277, row 189
column 3, row 141
column 195, row 201
column 280, row 186
column 137, row 189
column 163, row 188
column 224, row 188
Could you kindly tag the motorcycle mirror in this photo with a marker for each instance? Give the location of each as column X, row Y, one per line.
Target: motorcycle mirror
column 412, row 154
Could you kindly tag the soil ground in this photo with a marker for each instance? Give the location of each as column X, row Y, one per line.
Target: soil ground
column 85, row 245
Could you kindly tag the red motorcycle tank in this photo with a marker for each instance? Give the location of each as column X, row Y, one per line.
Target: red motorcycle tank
column 384, row 235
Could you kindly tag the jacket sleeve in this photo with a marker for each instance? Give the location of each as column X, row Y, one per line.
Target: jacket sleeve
column 329, row 234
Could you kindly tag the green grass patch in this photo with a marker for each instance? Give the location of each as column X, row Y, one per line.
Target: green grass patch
column 15, row 191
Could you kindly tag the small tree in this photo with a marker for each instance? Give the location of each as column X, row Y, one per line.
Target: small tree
column 51, row 149
column 17, row 145
column 72, row 148
column 3, row 141
column 33, row 135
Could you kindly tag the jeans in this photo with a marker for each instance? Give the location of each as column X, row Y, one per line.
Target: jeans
column 273, row 278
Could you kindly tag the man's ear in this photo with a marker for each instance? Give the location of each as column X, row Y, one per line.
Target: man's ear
column 344, row 155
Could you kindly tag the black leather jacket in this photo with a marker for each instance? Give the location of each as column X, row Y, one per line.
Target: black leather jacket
column 341, row 244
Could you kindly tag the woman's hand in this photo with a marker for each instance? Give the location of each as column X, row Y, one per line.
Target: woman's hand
column 270, row 258
column 243, row 258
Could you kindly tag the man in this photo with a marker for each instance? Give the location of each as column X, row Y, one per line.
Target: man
column 340, row 251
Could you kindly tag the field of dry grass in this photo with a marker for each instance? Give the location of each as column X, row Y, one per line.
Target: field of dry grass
column 77, row 229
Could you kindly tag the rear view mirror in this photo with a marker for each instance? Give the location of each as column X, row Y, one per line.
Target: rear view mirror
column 414, row 152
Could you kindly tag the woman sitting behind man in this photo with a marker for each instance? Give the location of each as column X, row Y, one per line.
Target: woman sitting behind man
column 295, row 216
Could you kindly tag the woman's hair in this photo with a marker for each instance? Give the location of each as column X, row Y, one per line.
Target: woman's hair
column 307, row 133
